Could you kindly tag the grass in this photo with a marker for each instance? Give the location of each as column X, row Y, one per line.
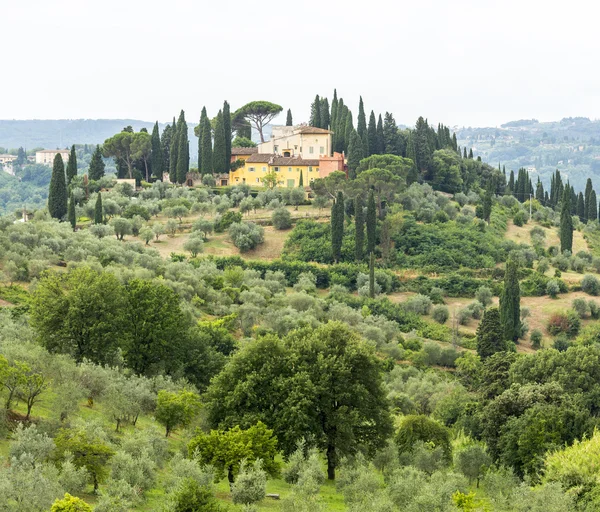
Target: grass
column 521, row 235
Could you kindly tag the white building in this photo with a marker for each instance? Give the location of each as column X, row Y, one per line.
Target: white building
column 46, row 156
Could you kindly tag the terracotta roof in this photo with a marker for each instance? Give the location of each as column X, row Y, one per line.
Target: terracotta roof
column 243, row 151
column 291, row 161
column 260, row 158
column 312, row 129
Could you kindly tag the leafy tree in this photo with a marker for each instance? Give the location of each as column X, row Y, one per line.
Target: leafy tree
column 157, row 160
column 288, row 120
column 243, row 142
column 220, row 164
column 79, row 313
column 490, row 334
column 322, row 384
column 566, row 222
column 337, row 227
column 371, row 223
column 297, row 195
column 119, row 147
column 183, row 150
column 226, row 450
column 96, row 168
column 194, row 245
column 71, row 212
column 281, row 218
column 271, row 180
column 510, row 302
column 122, row 227
column 57, row 195
column 98, row 213
column 174, row 410
column 70, row 504
column 258, row 114
column 421, row 428
column 87, row 452
column 359, row 225
column 191, row 496
column 472, row 461
column 71, row 165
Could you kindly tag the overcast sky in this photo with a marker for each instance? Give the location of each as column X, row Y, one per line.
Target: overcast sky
column 460, row 62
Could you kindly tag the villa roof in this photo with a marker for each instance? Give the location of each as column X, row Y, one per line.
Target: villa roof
column 243, row 151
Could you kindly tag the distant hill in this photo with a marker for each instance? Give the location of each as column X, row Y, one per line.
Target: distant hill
column 61, row 133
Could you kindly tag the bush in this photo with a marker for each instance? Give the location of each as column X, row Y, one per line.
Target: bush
column 136, row 209
column 590, row 284
column 553, row 288
column 281, row 218
column 440, row 313
column 250, row 484
column 463, row 316
column 484, row 296
column 226, row 220
column 246, row 236
column 564, row 323
column 436, row 295
column 580, row 306
column 519, row 219
column 476, row 310
column 536, row 338
column 561, row 343
column 419, row 304
column 594, row 309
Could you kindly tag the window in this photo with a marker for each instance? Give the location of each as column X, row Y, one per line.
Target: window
column 311, row 150
column 275, row 148
column 321, row 150
column 264, row 169
column 257, row 180
column 289, row 169
column 276, row 169
column 310, row 168
column 251, row 169
column 317, row 169
column 297, row 169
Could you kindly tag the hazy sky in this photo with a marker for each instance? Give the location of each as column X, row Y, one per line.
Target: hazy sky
column 460, row 62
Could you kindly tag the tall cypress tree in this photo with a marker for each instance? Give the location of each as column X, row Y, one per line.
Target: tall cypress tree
column 96, row 169
column 361, row 125
column 71, row 212
column 219, row 164
column 165, row 142
column 372, row 275
column 391, row 140
column 71, row 165
column 173, row 153
column 487, row 205
column 380, row 137
column 510, row 302
column 371, row 223
column 566, row 222
column 324, row 113
column 539, row 191
column 580, row 207
column 301, row 180
column 315, row 113
column 593, row 211
column 288, row 120
column 337, row 227
column 372, row 134
column 359, row 224
column 355, row 154
column 200, row 139
column 227, row 129
column 157, row 158
column 490, row 335
column 207, row 153
column 98, row 215
column 348, row 130
column 340, row 126
column 57, row 194
column 183, row 150
column 586, row 197
column 334, row 116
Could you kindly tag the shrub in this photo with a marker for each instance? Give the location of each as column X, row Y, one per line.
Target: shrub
column 440, row 313
column 536, row 338
column 519, row 219
column 436, row 295
column 594, row 309
column 484, row 296
column 475, row 309
column 553, row 288
column 561, row 343
column 226, row 220
column 246, row 236
column 281, row 218
column 590, row 284
column 580, row 306
column 463, row 316
column 203, row 226
column 136, row 209
column 250, row 484
column 564, row 323
column 543, row 266
column 419, row 304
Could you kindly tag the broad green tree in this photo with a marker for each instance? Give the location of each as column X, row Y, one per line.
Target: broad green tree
column 141, row 150
column 175, row 410
column 119, row 147
column 70, row 504
column 57, row 195
column 258, row 114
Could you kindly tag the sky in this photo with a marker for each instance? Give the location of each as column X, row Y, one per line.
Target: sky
column 460, row 62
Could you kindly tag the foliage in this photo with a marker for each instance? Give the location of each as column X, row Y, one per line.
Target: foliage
column 174, row 410
column 246, row 236
column 70, row 504
column 281, row 218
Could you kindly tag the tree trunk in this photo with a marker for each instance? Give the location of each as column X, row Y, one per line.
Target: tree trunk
column 146, row 166
column 230, row 476
column 331, row 462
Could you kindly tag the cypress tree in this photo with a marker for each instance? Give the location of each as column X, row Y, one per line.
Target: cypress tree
column 324, row 112
column 586, row 196
column 471, row 153
column 219, row 164
column 573, row 201
column 183, row 150
column 510, row 302
column 315, row 113
column 340, row 126
column 207, row 153
column 348, row 131
column 57, row 194
column 165, row 142
column 359, row 224
column 372, row 276
column 96, row 170
column 227, row 129
column 490, row 335
column 157, row 158
column 593, row 211
column 71, row 212
column 334, row 117
column 372, row 135
column 580, row 207
column 301, row 180
column 355, row 154
column 511, row 182
column 566, row 222
column 71, row 165
column 465, row 153
column 391, row 140
column 539, row 192
column 361, row 124
column 487, row 205
column 173, row 153
column 288, row 121
column 371, row 223
column 337, row 227
column 380, row 137
column 98, row 215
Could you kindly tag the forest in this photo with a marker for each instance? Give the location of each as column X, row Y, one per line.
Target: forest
column 419, row 334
